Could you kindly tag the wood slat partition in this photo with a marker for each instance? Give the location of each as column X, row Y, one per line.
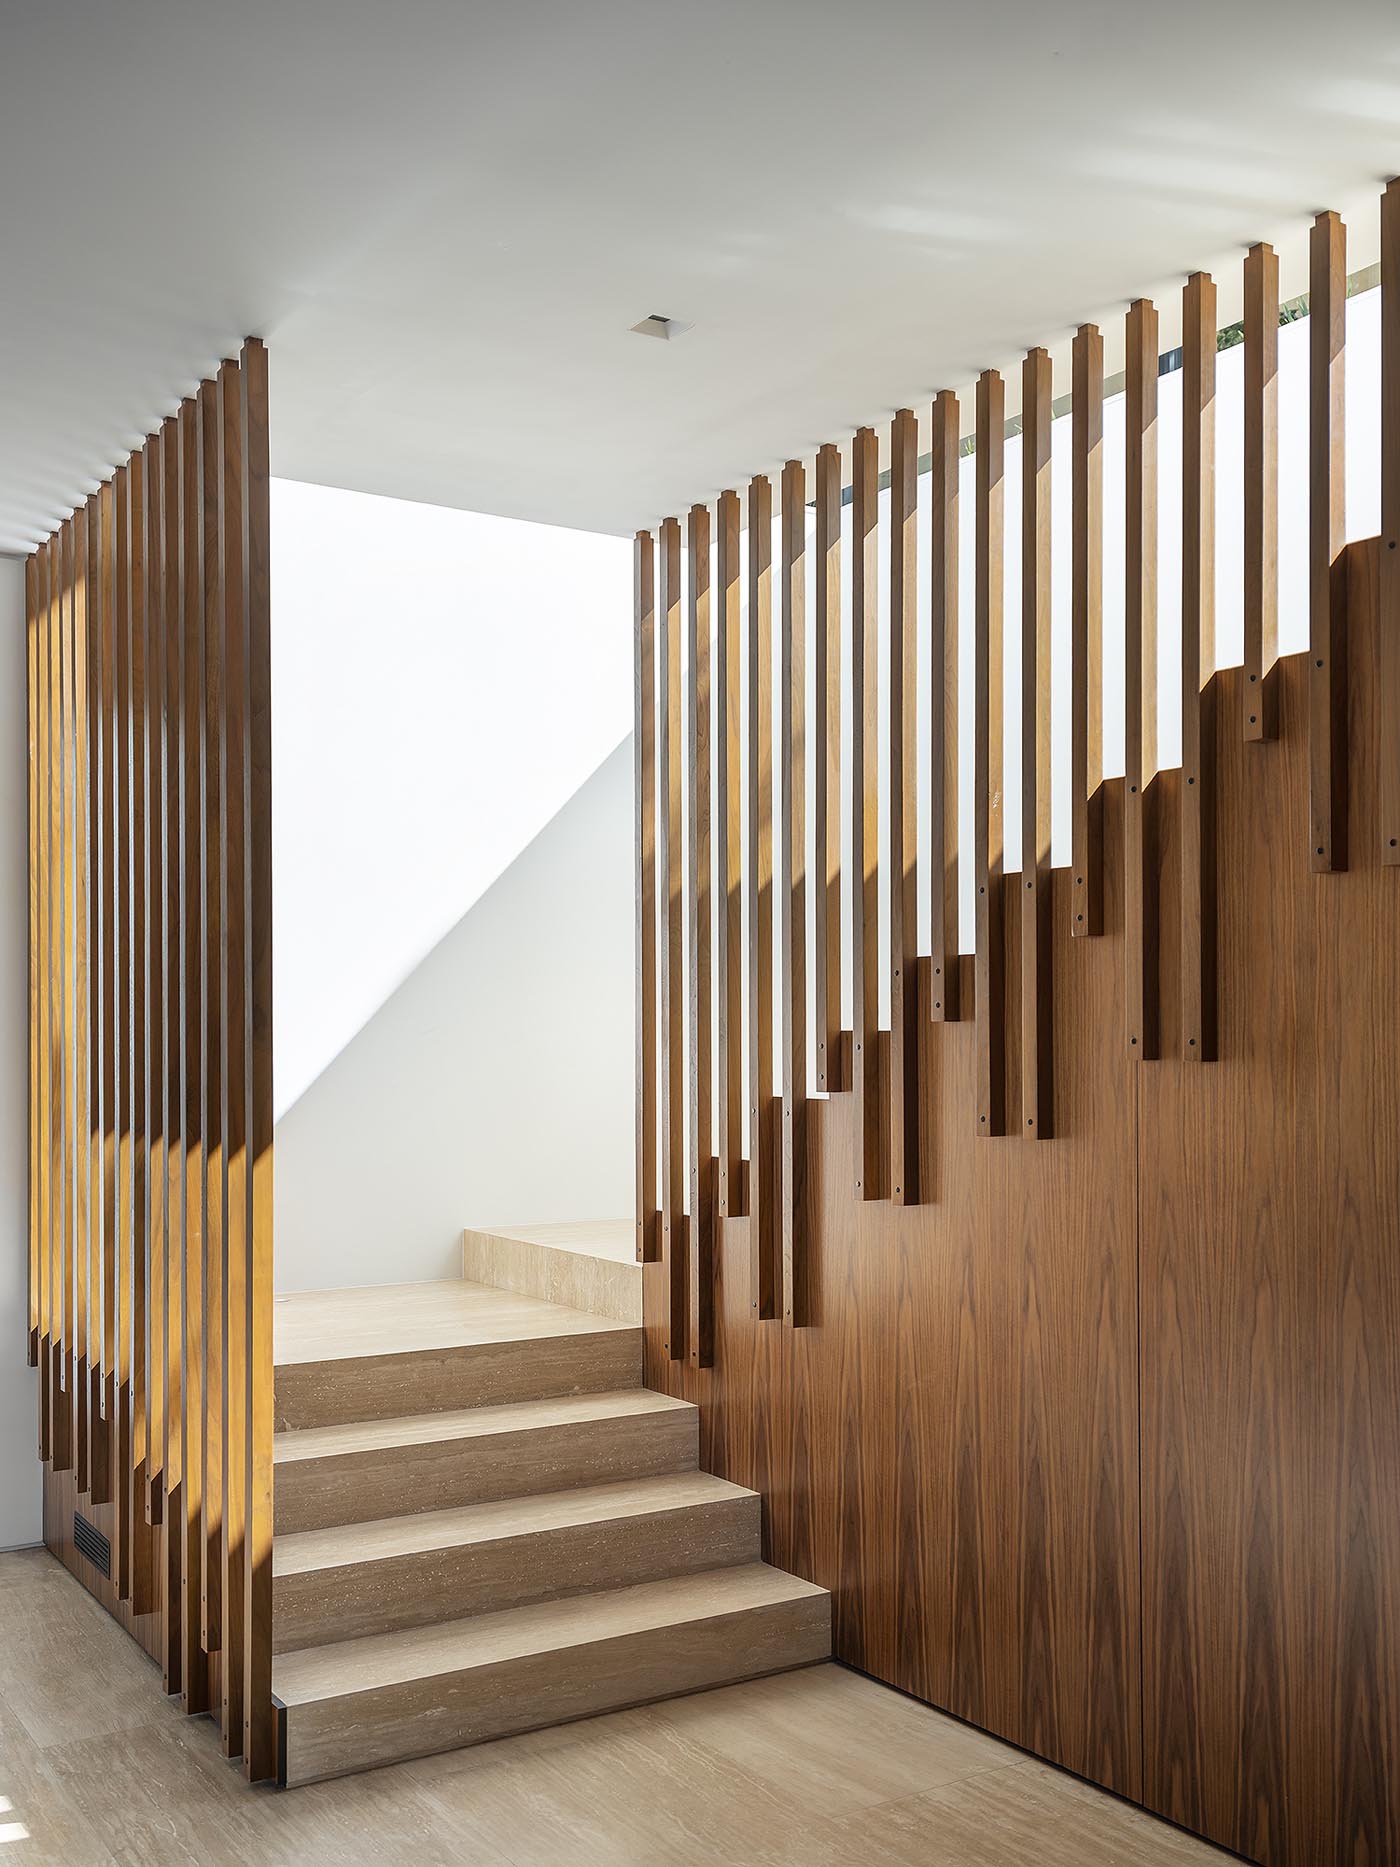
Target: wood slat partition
column 1093, row 1447
column 150, row 1046
column 670, row 878
column 700, row 1297
column 644, row 788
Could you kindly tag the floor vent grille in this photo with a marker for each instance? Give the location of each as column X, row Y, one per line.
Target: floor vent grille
column 89, row 1541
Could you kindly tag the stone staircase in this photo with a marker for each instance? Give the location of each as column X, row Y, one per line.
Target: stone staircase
column 484, row 1523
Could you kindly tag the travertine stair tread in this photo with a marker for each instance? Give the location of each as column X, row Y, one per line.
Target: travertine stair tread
column 420, row 1429
column 388, row 1537
column 316, row 1674
column 402, row 1319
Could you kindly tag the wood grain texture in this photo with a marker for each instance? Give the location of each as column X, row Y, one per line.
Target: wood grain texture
column 1037, row 983
column 670, row 884
column 727, row 744
column 699, row 1050
column 1140, row 680
column 765, row 1267
column 902, row 728
column 1197, row 786
column 1086, row 629
column 941, row 842
column 871, row 1165
column 988, row 734
column 792, row 700
column 825, row 753
column 644, row 788
column 1327, row 679
column 1260, row 704
column 1389, row 571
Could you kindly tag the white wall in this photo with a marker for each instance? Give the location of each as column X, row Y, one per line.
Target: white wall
column 20, row 1495
column 496, row 1084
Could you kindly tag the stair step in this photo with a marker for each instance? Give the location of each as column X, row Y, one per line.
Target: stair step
column 429, row 1461
column 382, row 1699
column 373, row 1578
column 393, row 1350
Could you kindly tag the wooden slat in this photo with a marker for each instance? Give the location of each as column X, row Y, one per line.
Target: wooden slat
column 1086, row 645
column 157, row 1022
column 259, row 1729
column 1260, row 492
column 172, row 1322
column 988, row 731
column 111, row 1114
column 1037, row 980
column 644, row 790
column 727, row 743
column 48, row 972
column 122, row 972
column 1327, row 674
column 1390, row 526
column 215, row 1117
column 865, row 812
column 793, row 885
column 64, row 1450
column 764, row 1268
column 99, row 1453
column 143, row 1579
column 36, row 963
column 82, row 1085
column 670, row 882
column 194, row 1669
column 1198, row 338
column 904, row 811
column 701, row 1253
column 235, row 941
column 1140, row 677
column 942, row 840
column 826, row 789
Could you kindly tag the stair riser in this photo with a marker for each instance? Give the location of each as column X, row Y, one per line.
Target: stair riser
column 397, row 1481
column 325, row 1605
column 381, row 1387
column 357, row 1731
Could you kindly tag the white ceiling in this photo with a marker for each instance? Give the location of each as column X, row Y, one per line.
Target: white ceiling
column 444, row 218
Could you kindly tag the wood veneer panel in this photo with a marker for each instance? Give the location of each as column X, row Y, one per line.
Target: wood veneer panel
column 941, row 842
column 644, row 788
column 872, row 1130
column 1389, row 572
column 1140, row 679
column 1197, row 787
column 1260, row 704
column 796, row 1292
column 701, row 1241
column 1037, row 983
column 727, row 743
column 903, row 729
column 1271, row 1324
column 670, row 881
column 826, row 788
column 1327, row 679
column 1086, row 628
column 765, row 1269
column 988, row 731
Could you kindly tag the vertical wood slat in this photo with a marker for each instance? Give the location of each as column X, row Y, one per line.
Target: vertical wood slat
column 1198, row 936
column 796, row 1294
column 48, row 976
column 107, row 811
column 1086, row 625
column 1390, row 526
column 143, row 1596
column 1260, row 493
column 727, row 747
column 701, row 1240
column 31, row 625
column 194, row 1671
column 99, row 1453
column 644, row 792
column 235, row 931
column 1327, row 649
column 670, row 880
column 1140, row 677
column 942, row 841
column 1037, row 982
column 826, row 790
column 64, row 1450
column 989, row 726
column 865, row 812
column 157, row 1022
column 904, row 824
column 172, row 1322
column 259, row 1726
column 121, row 972
column 764, row 1192
column 82, row 1127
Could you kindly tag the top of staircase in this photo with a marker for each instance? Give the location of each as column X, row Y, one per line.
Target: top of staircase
column 588, row 1264
column 398, row 1319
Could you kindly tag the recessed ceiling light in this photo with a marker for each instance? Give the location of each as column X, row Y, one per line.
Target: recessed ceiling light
column 657, row 326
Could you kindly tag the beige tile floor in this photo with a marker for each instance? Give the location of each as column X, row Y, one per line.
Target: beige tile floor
column 820, row 1768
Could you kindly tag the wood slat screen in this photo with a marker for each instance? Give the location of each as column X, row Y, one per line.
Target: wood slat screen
column 1041, row 1416
column 150, row 891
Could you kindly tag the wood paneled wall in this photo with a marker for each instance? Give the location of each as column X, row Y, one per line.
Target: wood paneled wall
column 1062, row 1333
column 150, row 902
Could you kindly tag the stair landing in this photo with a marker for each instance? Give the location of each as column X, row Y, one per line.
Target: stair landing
column 485, row 1524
